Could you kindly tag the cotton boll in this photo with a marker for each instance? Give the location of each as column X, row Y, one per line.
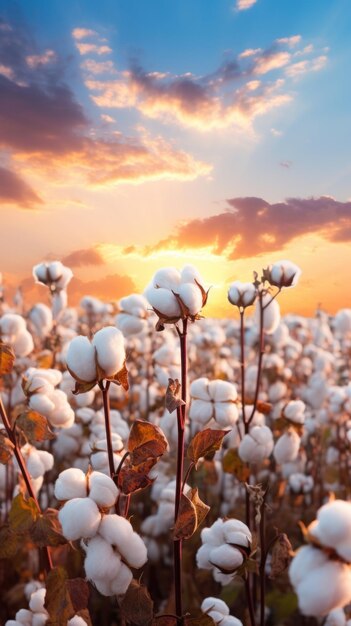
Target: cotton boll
column 284, row 274
column 223, row 391
column 76, row 621
column 71, row 483
column 237, row 532
column 102, row 489
column 190, row 274
column 119, row 532
column 199, row 389
column 39, row 619
column 191, row 296
column 287, row 447
column 81, row 359
column 227, row 558
column 201, row 411
column 203, row 556
column 333, row 527
column 325, row 589
column 23, row 616
column 79, row 518
column 40, row 317
column 109, row 345
column 31, row 587
column 41, row 403
column 34, row 464
column 305, row 561
column 214, row 604
column 256, row 445
column 23, row 344
column 122, row 581
column 336, row 618
column 271, row 314
column 163, row 301
column 101, row 561
column 168, row 278
column 12, row 324
column 242, row 294
column 37, row 599
column 295, row 411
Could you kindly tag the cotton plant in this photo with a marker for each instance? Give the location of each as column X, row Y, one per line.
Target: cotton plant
column 37, row 615
column 132, row 316
column 13, row 331
column 40, row 388
column 56, row 277
column 218, row 610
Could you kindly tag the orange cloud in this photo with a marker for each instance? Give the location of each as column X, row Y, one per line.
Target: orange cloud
column 86, row 256
column 14, row 190
column 252, row 226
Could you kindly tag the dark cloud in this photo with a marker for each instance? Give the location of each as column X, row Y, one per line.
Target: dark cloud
column 87, row 256
column 13, row 190
column 253, row 226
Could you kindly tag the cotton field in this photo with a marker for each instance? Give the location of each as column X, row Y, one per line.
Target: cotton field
column 162, row 468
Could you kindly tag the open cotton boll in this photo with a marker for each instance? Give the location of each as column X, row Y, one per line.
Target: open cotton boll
column 237, row 532
column 324, row 589
column 333, row 527
column 121, row 582
column 191, row 296
column 12, row 324
column 189, row 274
column 37, row 599
column 40, row 317
column 35, row 465
column 71, row 483
column 199, row 389
column 101, row 560
column 200, row 411
column 80, row 359
column 336, row 618
column 23, row 344
column 129, row 324
column 167, row 278
column 257, row 445
column 301, row 483
column 24, row 616
column 41, row 403
column 62, row 415
column 39, row 619
column 271, row 314
column 110, row 351
column 163, row 300
column 295, row 411
column 214, row 535
column 242, row 294
column 119, row 532
column 226, row 558
column 76, row 621
column 79, row 518
column 283, row 274
column 287, row 447
column 102, row 489
column 214, row 604
column 222, row 391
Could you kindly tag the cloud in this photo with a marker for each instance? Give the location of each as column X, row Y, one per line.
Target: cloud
column 243, row 5
column 286, row 164
column 108, row 288
column 251, row 226
column 86, row 48
column 14, row 190
column 98, row 67
column 82, row 33
column 231, row 95
column 46, row 131
column 84, row 257
column 302, row 67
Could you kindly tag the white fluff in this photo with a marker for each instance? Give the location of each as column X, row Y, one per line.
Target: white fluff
column 242, row 294
column 79, row 518
column 76, row 621
column 71, row 483
column 163, row 300
column 257, row 445
column 284, row 274
column 271, row 314
column 287, row 447
column 119, row 532
column 102, row 489
column 81, row 359
column 110, row 351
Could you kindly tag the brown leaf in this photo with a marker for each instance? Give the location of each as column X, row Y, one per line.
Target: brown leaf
column 186, row 523
column 45, row 359
column 137, row 605
column 205, row 443
column 232, row 464
column 201, row 620
column 23, row 513
column 46, row 530
column 130, row 480
column 173, row 398
column 264, row 407
column 164, row 620
column 79, row 593
column 281, row 555
column 146, row 441
column 121, row 378
column 201, row 508
column 10, row 542
column 7, row 359
column 6, row 448
column 64, row 598
column 82, row 387
column 34, row 426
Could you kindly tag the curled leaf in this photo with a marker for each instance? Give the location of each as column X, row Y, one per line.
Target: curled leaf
column 7, row 359
column 173, row 395
column 205, row 443
column 6, row 448
column 186, row 523
column 34, row 426
column 146, row 441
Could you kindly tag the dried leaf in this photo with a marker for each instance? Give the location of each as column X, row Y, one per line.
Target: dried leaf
column 6, row 448
column 173, row 398
column 281, row 555
column 23, row 513
column 64, row 598
column 34, row 426
column 233, row 464
column 46, row 530
column 79, row 593
column 164, row 620
column 130, row 480
column 121, row 378
column 201, row 620
column 45, row 359
column 7, row 359
column 264, row 407
column 83, row 387
column 205, row 443
column 186, row 523
column 137, row 605
column 201, row 508
column 10, row 542
column 146, row 441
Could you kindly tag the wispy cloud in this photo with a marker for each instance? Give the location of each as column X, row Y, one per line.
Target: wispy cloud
column 252, row 226
column 84, row 257
column 243, row 5
column 14, row 190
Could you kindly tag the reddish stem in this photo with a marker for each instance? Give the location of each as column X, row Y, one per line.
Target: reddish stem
column 26, row 477
column 260, row 358
column 106, row 403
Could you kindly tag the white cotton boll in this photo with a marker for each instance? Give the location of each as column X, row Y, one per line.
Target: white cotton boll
column 325, row 589
column 34, row 464
column 119, row 532
column 333, row 527
column 163, row 301
column 39, row 619
column 109, row 345
column 41, row 403
column 222, row 391
column 271, row 314
column 256, row 445
column 200, row 411
column 301, row 483
column 226, row 557
column 76, row 621
column 237, row 532
column 37, row 599
column 191, row 296
column 214, row 604
column 226, row 414
column 31, row 587
column 242, row 294
column 287, row 447
column 55, row 270
column 129, row 324
column 23, row 344
column 295, row 411
column 24, row 616
column 41, row 318
column 65, row 277
column 71, row 483
column 85, row 414
column 336, row 618
column 120, row 584
column 284, row 274
column 81, row 359
column 62, row 416
column 136, row 552
column 305, row 561
column 167, row 278
column 12, row 324
column 101, row 561
column 231, row 621
column 46, row 459
column 59, row 303
column 102, row 489
column 199, row 389
column 190, row 274
column 203, row 556
column 79, row 518
column 214, row 535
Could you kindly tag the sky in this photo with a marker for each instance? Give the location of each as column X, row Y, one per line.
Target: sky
column 139, row 134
